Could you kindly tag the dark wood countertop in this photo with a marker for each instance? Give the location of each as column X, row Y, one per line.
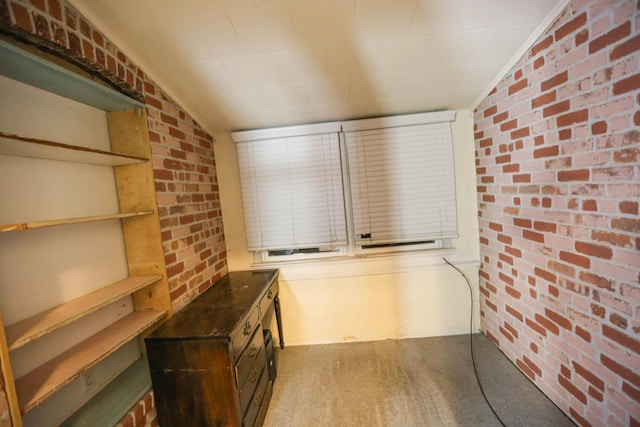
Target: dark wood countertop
column 220, row 309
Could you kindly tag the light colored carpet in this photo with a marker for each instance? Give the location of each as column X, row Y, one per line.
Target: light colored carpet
column 404, row 383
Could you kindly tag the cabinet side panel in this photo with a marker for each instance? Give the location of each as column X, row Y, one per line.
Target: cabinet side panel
column 128, row 132
column 145, row 256
column 136, row 192
column 193, row 383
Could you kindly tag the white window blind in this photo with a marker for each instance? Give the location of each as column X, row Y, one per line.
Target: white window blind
column 292, row 188
column 402, row 181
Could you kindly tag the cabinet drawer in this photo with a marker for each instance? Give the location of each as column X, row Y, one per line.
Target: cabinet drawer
column 249, row 386
column 267, row 298
column 262, row 412
column 248, row 357
column 256, row 400
column 240, row 336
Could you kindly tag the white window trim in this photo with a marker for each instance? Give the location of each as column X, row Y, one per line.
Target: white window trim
column 368, row 265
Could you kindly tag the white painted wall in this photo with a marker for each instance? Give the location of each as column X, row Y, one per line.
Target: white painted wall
column 375, row 297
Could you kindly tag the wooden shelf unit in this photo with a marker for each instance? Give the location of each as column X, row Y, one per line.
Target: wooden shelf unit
column 44, row 381
column 34, row 327
column 130, row 158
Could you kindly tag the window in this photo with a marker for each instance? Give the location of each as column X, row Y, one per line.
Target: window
column 292, row 190
column 402, row 181
column 356, row 187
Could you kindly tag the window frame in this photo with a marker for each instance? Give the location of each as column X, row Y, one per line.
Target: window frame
column 263, row 238
column 353, row 248
column 358, row 248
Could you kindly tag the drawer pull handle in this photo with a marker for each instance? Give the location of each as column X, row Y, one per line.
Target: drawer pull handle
column 254, row 375
column 246, row 330
column 257, row 399
column 251, row 351
column 270, row 294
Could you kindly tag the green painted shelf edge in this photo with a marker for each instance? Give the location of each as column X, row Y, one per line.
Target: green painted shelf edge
column 114, row 401
column 27, row 68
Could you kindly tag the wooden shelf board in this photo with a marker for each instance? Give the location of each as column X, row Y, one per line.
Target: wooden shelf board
column 34, row 327
column 15, row 145
column 42, row 382
column 64, row 221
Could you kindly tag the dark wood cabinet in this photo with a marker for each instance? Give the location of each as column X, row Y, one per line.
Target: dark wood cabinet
column 208, row 363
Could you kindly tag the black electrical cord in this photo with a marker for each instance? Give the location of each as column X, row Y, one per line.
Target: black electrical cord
column 473, row 359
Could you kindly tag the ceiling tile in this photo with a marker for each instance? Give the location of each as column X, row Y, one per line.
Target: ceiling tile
column 133, row 13
column 397, row 54
column 539, row 11
column 435, row 51
column 314, row 114
column 383, row 19
column 330, row 112
column 263, row 3
column 503, row 43
column 360, row 90
column 328, row 92
column 212, row 71
column 406, row 104
column 201, row 38
column 286, row 96
column 242, row 119
column 493, row 14
column 302, row 65
column 351, row 60
column 181, row 40
column 351, row 110
column 436, row 80
column 265, row 29
column 238, row 64
column 418, row 82
column 449, row 50
column 274, row 117
column 373, row 87
column 455, row 16
column 252, row 71
column 416, row 103
column 218, row 115
column 323, row 22
column 209, row 77
column 444, row 16
column 248, row 99
column 147, row 39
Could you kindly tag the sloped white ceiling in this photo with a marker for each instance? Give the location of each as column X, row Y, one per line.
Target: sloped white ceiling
column 247, row 64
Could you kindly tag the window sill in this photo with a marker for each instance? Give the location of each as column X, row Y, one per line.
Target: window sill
column 367, row 265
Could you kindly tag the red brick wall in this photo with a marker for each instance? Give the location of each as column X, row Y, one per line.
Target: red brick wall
column 143, row 414
column 558, row 174
column 182, row 151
